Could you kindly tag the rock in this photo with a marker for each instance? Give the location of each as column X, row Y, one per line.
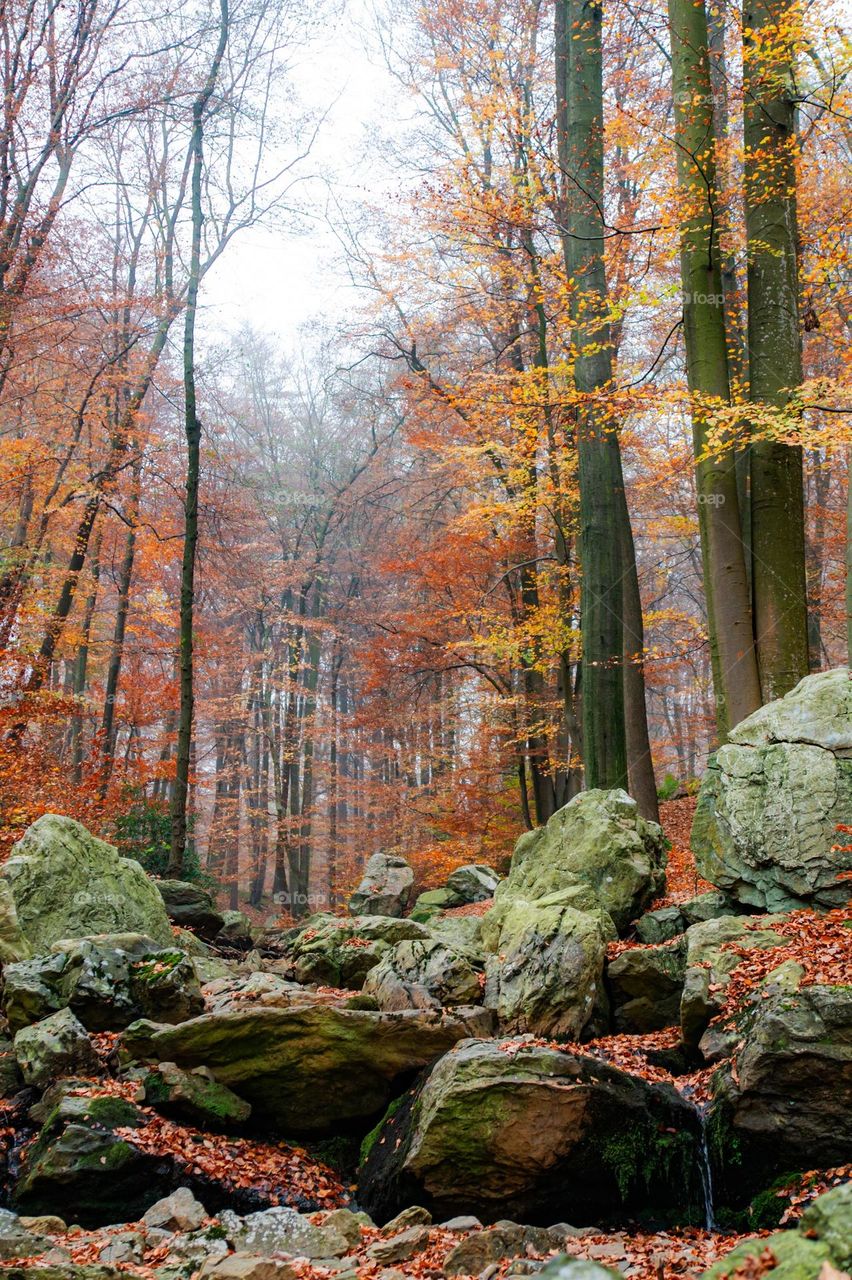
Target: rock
column 67, row 1271
column 418, row 974
column 707, row 906
column 44, row 1224
column 348, row 1224
column 190, row 906
column 414, row 1216
column 236, row 931
column 129, row 1246
column 192, row 1096
column 11, row 1079
column 597, row 841
column 81, row 1168
column 565, row 1268
column 337, row 952
column 463, row 934
column 13, row 945
column 399, row 1248
column 432, row 903
column 282, row 1230
column 461, row 1222
column 107, row 981
column 787, row 1255
column 475, row 882
column 645, row 986
column 710, row 961
column 386, row 889
column 66, row 883
column 57, row 1046
column 178, row 1212
column 785, row 1101
column 546, row 973
column 769, row 805
column 661, row 925
column 246, row 1266
column 17, row 1241
column 472, row 1255
column 525, row 1130
column 308, row 1068
column 829, row 1219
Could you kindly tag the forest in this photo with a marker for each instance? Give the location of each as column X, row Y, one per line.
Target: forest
column 528, row 527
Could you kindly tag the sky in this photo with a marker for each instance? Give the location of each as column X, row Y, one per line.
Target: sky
column 280, row 279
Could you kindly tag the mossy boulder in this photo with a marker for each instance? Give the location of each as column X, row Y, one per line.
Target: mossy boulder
column 310, row 1068
column 56, row 1046
column 190, row 906
column 769, row 805
column 193, row 1096
column 821, row 1247
column 514, row 1129
column 386, row 889
column 645, row 985
column 598, row 841
column 829, row 1218
column 337, row 951
column 423, row 974
column 712, row 955
column 545, row 970
column 474, row 882
column 65, row 883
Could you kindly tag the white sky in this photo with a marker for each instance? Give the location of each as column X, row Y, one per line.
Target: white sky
column 279, row 280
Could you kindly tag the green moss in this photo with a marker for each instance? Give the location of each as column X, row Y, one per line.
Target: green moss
column 155, row 967
column 113, row 1113
column 767, row 1208
column 372, row 1137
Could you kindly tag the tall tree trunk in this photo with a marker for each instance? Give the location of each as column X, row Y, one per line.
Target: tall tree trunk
column 734, row 661
column 849, row 555
column 775, row 347
column 579, row 81
column 640, row 765
column 116, row 654
column 192, row 427
column 81, row 665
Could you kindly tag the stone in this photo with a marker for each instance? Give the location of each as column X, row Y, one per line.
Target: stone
column 769, row 805
column 190, row 906
column 82, row 1169
column 707, row 906
column 13, row 945
column 463, row 934
column 17, row 1240
column 423, row 974
column 432, row 903
column 710, row 961
column 56, row 1046
column 661, row 925
column 645, row 985
column 400, row 1247
column 414, row 1216
column 338, row 952
column 66, row 883
column 545, row 975
column 497, row 1244
column 107, row 981
column 44, row 1224
column 386, row 889
column 565, row 1268
column 597, row 841
column 785, row 1100
column 787, row 1255
column 178, row 1212
column 461, row 1222
column 309, row 1068
column 246, row 1266
column 282, row 1230
column 520, row 1129
column 236, row 931
column 829, row 1218
column 191, row 1096
column 348, row 1224
column 129, row 1246
column 474, row 882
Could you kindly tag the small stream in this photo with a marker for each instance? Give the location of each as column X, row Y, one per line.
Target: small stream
column 705, row 1170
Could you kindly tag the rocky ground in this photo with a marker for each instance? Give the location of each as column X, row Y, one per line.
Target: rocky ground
column 617, row 1059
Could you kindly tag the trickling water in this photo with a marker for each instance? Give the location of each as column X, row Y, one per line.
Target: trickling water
column 706, row 1171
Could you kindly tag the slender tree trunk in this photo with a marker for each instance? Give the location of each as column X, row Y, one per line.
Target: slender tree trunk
column 640, row 765
column 75, row 730
column 192, row 426
column 775, row 347
column 579, row 79
column 849, row 555
column 116, row 655
column 734, row 661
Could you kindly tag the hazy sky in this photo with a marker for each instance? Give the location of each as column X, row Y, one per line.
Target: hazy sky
column 279, row 280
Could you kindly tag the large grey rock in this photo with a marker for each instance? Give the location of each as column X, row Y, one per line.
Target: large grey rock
column 16, row 1241
column 308, row 1068
column 475, row 882
column 711, row 958
column 566, row 1268
column 510, row 1240
column 597, row 842
column 282, row 1230
column 769, row 805
column 190, row 906
column 65, row 883
column 386, row 889
column 339, row 952
column 107, row 981
column 423, row 974
column 178, row 1212
column 645, row 987
column 545, row 973
column 502, row 1129
column 193, row 1096
column 57, row 1046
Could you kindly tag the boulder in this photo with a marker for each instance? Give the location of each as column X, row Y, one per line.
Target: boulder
column 386, row 889
column 178, row 1212
column 712, row 954
column 13, row 945
column 81, row 1168
column 565, row 1268
column 107, row 981
column 236, row 931
column 247, row 1266
column 496, row 1244
column 599, row 842
column 426, row 974
column 829, row 1218
column 309, row 1068
column 785, row 1100
column 518, row 1129
column 56, row 1046
column 193, row 1096
column 337, row 952
column 401, row 1246
column 67, row 1271
column 282, row 1230
column 65, row 883
column 463, row 934
column 820, row 1249
column 545, row 975
column 190, row 906
column 432, row 903
column 17, row 1241
column 474, row 882
column 661, row 925
column 645, row 986
column 765, row 829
